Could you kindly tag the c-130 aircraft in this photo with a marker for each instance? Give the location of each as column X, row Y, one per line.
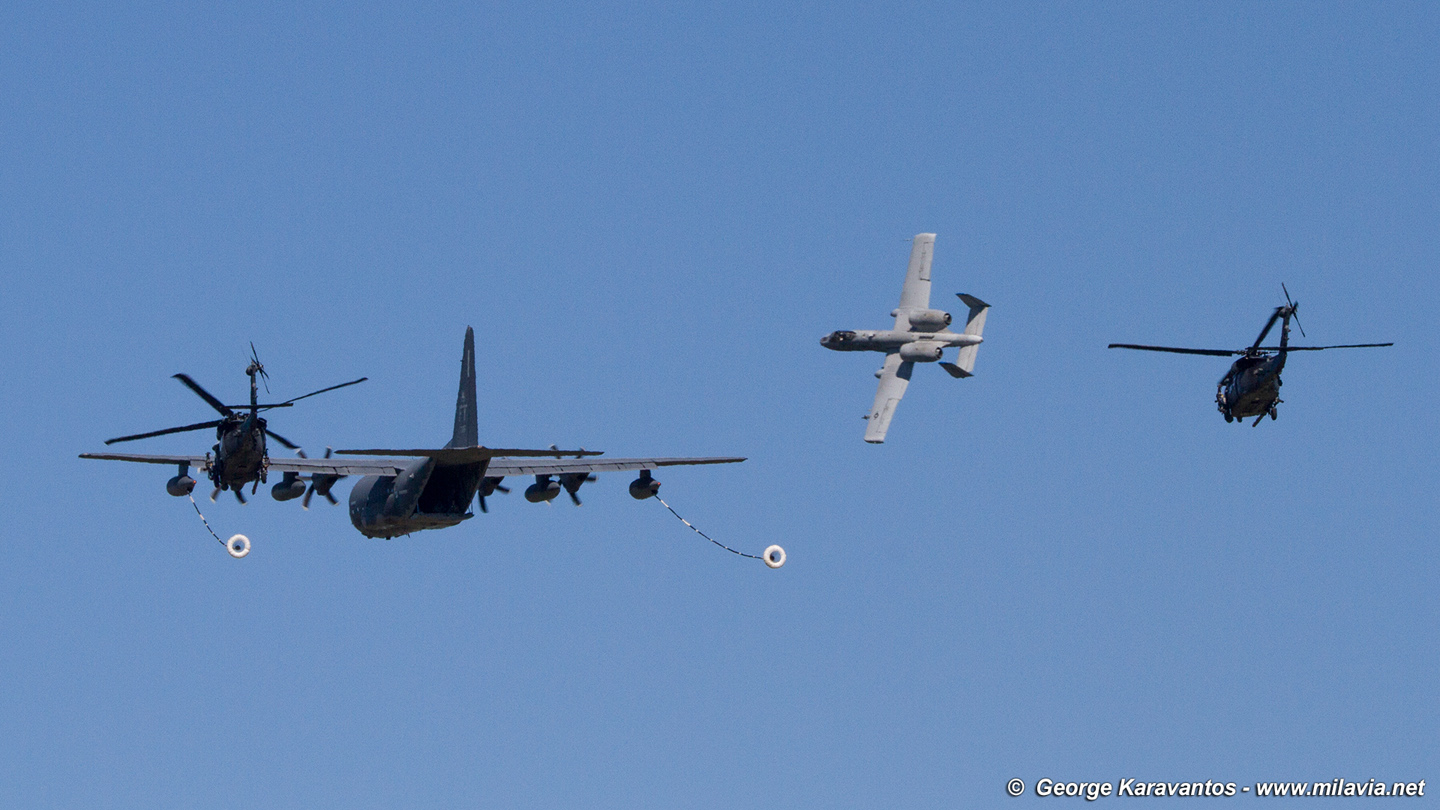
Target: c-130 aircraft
column 433, row 489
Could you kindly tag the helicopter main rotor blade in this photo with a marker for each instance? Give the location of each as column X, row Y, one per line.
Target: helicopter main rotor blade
column 200, row 426
column 287, row 402
column 1318, row 348
column 1270, row 324
column 205, row 395
column 277, row 437
column 1174, row 350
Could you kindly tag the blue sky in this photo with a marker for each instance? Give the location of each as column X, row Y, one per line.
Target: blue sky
column 1068, row 566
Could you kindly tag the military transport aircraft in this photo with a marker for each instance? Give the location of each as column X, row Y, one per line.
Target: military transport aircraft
column 920, row 335
column 432, row 489
column 1252, row 385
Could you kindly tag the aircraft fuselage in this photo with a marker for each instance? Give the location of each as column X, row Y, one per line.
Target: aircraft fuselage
column 1251, row 387
column 889, row 340
column 427, row 495
column 239, row 452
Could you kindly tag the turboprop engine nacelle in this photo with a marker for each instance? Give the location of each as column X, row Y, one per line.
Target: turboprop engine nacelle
column 929, row 320
column 289, row 488
column 542, row 490
column 922, row 351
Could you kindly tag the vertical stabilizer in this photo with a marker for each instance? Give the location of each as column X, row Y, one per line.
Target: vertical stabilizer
column 467, row 430
column 974, row 325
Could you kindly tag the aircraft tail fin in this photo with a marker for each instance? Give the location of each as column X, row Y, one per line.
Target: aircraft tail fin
column 467, row 427
column 974, row 325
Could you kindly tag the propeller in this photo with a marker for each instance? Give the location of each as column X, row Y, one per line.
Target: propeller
column 320, row 483
column 199, row 426
column 1293, row 313
column 572, row 481
column 489, row 486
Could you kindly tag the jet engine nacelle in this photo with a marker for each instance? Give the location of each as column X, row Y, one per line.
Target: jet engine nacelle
column 289, row 488
column 180, row 486
column 644, row 486
column 929, row 320
column 923, row 351
column 542, row 490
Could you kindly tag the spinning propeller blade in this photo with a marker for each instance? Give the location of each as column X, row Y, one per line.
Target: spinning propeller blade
column 488, row 486
column 320, row 483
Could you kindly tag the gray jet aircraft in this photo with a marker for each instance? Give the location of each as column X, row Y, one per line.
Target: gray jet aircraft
column 920, row 335
column 431, row 489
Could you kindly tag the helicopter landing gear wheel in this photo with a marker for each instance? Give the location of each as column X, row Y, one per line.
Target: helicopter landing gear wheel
column 1229, row 418
column 238, row 546
column 1273, row 414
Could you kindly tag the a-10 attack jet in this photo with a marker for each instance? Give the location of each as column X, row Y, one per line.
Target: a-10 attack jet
column 920, row 335
column 432, row 489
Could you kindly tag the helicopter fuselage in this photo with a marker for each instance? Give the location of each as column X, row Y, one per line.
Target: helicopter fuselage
column 1251, row 387
column 240, row 454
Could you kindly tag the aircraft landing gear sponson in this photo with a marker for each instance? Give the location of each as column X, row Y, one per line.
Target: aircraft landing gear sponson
column 238, row 546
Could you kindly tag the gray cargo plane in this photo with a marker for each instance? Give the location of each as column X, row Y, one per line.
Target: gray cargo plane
column 431, row 489
column 920, row 335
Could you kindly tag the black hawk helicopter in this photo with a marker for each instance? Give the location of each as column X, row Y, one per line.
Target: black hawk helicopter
column 1252, row 385
column 240, row 456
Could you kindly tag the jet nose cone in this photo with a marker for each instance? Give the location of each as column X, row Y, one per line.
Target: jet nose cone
column 825, row 341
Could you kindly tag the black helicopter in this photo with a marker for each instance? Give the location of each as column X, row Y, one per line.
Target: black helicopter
column 1252, row 385
column 240, row 455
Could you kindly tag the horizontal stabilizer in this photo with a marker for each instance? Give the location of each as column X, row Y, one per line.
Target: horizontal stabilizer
column 470, row 455
column 964, row 365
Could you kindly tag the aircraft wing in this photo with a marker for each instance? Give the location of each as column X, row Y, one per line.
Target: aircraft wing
column 309, row 466
column 916, row 292
column 390, row 466
column 555, row 466
column 894, row 379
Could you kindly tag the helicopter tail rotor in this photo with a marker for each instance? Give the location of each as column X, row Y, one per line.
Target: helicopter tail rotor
column 1293, row 306
column 258, row 368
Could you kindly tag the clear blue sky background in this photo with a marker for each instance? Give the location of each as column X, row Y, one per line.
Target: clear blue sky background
column 1067, row 566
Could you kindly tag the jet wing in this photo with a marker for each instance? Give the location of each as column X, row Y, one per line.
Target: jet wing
column 556, row 466
column 894, row 379
column 308, row 466
column 916, row 292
